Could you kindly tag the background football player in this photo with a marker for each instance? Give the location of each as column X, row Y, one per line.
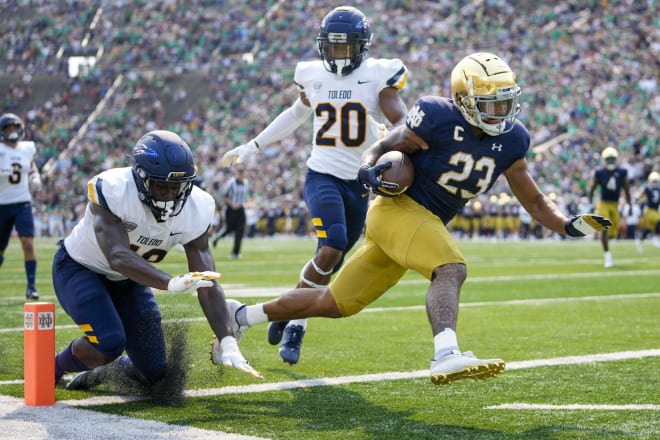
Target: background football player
column 18, row 175
column 451, row 143
column 649, row 223
column 612, row 180
column 103, row 273
column 352, row 97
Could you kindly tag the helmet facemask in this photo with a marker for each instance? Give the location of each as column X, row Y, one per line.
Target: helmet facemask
column 164, row 196
column 340, row 55
column 492, row 112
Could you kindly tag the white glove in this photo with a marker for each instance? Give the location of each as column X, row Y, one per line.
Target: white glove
column 586, row 224
column 192, row 281
column 35, row 182
column 232, row 357
column 239, row 154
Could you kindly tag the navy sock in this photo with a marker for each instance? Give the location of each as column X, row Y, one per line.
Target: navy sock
column 67, row 362
column 31, row 272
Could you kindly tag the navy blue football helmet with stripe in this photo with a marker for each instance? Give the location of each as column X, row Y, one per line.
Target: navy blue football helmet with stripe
column 343, row 40
column 164, row 171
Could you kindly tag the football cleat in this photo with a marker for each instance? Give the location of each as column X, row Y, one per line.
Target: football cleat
column 291, row 342
column 233, row 307
column 275, row 331
column 608, row 261
column 85, row 380
column 456, row 366
column 31, row 293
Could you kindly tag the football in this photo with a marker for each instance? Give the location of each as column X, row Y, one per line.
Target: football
column 402, row 171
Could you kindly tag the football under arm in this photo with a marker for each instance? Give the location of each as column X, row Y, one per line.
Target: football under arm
column 284, row 124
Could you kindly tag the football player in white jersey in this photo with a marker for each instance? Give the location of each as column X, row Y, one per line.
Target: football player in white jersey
column 103, row 273
column 352, row 98
column 18, row 174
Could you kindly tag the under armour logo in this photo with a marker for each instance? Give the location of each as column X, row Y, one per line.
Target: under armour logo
column 497, row 147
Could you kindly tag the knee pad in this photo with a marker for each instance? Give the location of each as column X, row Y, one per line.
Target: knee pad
column 110, row 344
column 336, row 236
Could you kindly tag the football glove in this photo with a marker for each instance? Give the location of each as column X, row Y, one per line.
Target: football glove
column 585, row 224
column 232, row 357
column 192, row 281
column 370, row 178
column 239, row 154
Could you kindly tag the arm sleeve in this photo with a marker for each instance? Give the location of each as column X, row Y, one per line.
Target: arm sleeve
column 284, row 124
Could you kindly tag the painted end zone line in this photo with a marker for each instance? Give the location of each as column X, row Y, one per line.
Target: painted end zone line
column 573, row 407
column 277, row 386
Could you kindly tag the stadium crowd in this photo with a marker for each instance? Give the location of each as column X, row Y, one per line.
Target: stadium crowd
column 589, row 72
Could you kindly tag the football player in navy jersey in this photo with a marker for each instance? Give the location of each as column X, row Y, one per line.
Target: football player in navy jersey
column 103, row 273
column 352, row 97
column 612, row 180
column 649, row 223
column 459, row 147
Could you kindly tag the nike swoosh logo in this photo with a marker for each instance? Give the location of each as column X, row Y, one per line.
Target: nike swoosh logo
column 363, row 82
column 175, row 233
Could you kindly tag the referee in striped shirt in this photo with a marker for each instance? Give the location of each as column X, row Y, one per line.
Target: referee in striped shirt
column 233, row 194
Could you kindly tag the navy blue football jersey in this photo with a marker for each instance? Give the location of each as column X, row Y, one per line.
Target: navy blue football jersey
column 458, row 165
column 611, row 183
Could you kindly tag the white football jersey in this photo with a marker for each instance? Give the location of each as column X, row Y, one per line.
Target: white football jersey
column 115, row 189
column 15, row 165
column 346, row 111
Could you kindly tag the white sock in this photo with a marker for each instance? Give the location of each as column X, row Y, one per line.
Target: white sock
column 444, row 343
column 255, row 315
column 301, row 322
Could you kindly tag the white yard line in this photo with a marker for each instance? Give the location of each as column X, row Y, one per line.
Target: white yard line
column 521, row 302
column 379, row 377
column 575, row 407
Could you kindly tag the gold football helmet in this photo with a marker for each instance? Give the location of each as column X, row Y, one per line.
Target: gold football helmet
column 610, row 158
column 484, row 89
column 654, row 180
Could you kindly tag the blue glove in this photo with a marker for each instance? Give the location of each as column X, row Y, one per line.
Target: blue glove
column 370, row 178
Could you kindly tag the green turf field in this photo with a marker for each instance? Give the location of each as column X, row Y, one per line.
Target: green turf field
column 582, row 345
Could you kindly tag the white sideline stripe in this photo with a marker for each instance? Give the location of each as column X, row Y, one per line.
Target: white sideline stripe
column 573, row 407
column 343, row 380
column 538, row 301
column 61, row 420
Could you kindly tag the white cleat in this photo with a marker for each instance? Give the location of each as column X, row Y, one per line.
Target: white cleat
column 638, row 244
column 457, row 366
column 608, row 261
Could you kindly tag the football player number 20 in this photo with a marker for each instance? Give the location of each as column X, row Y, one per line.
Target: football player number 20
column 352, row 118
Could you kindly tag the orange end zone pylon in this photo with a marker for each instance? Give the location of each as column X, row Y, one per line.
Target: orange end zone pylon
column 39, row 353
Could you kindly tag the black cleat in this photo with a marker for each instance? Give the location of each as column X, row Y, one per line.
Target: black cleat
column 275, row 331
column 291, row 342
column 31, row 293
